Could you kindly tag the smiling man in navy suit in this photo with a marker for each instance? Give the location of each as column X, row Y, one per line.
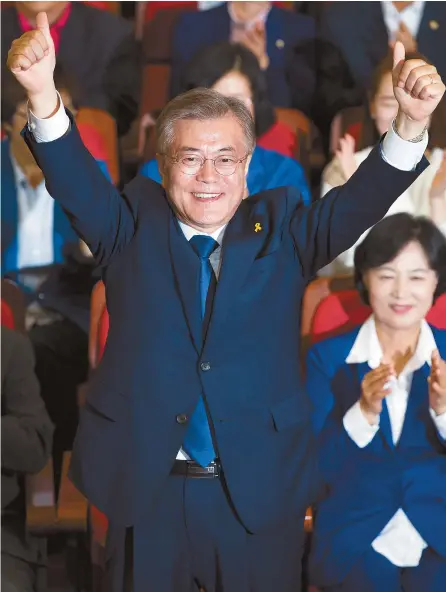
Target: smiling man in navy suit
column 195, row 439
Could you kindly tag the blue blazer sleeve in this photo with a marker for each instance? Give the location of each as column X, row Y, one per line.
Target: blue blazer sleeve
column 150, row 170
column 333, row 224
column 292, row 174
column 101, row 216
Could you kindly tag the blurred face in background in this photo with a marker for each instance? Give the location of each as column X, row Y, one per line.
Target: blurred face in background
column 19, row 149
column 235, row 84
column 401, row 292
column 201, row 196
column 247, row 11
column 32, row 9
column 384, row 106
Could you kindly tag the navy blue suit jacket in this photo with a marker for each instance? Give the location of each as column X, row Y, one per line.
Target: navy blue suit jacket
column 290, row 76
column 364, row 487
column 151, row 370
column 358, row 30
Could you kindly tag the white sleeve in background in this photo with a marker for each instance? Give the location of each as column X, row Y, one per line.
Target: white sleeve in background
column 440, row 422
column 358, row 428
column 401, row 154
column 50, row 129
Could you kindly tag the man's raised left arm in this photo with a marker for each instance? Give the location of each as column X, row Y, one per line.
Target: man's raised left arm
column 334, row 223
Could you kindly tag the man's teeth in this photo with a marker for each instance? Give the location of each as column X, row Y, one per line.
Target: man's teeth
column 206, row 195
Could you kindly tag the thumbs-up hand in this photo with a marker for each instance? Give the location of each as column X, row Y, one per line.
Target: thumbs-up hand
column 32, row 59
column 437, row 384
column 417, row 86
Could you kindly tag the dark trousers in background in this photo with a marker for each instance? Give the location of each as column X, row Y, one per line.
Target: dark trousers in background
column 61, row 350
column 374, row 573
column 17, row 575
column 193, row 539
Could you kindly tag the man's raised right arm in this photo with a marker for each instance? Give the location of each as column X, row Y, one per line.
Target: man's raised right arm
column 102, row 217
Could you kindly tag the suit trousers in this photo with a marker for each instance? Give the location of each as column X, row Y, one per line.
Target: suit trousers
column 193, row 539
column 374, row 573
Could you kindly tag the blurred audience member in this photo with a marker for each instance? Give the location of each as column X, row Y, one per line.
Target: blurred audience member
column 282, row 41
column 358, row 35
column 233, row 70
column 427, row 195
column 379, row 401
column 35, row 230
column 95, row 47
column 26, row 447
column 41, row 252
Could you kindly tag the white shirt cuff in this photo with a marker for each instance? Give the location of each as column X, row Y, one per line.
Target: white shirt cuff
column 50, row 129
column 440, row 422
column 401, row 154
column 357, row 427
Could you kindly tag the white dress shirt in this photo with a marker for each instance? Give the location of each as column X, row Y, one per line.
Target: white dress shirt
column 411, row 16
column 35, row 222
column 399, row 541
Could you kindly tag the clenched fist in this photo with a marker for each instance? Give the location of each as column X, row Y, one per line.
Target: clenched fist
column 418, row 88
column 32, row 59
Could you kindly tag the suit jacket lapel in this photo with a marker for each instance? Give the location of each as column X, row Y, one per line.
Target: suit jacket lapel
column 384, row 421
column 187, row 271
column 241, row 244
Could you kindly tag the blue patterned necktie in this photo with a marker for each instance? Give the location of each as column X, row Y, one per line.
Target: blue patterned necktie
column 198, row 440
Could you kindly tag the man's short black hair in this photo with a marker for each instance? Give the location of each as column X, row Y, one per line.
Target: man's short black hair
column 390, row 236
column 13, row 92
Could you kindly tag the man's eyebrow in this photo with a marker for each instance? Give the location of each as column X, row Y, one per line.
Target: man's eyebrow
column 191, row 149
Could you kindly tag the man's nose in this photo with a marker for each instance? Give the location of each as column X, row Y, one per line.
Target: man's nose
column 207, row 173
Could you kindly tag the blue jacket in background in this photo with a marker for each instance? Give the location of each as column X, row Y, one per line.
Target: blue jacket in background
column 290, row 37
column 364, row 487
column 267, row 170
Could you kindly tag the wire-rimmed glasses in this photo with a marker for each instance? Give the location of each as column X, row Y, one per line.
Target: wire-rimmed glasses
column 190, row 164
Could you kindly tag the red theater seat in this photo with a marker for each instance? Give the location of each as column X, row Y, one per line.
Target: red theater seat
column 342, row 311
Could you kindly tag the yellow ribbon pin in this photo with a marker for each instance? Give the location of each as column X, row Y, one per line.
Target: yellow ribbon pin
column 257, row 227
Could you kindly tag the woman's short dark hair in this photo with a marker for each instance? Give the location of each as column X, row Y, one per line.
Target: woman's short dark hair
column 212, row 63
column 387, row 238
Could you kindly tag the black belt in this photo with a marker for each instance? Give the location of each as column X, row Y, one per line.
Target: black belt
column 189, row 468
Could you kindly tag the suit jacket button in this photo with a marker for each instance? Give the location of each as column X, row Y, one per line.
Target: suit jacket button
column 181, row 418
column 205, row 366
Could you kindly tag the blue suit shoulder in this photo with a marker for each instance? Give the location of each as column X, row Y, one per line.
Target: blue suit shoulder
column 295, row 26
column 440, row 340
column 331, row 353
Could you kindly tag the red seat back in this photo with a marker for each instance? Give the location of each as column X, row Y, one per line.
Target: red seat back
column 103, row 332
column 342, row 311
column 13, row 306
column 7, row 316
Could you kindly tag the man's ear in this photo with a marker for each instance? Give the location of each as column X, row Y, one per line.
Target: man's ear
column 247, row 163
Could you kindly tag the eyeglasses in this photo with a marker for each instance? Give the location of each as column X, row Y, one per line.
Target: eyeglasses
column 190, row 164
